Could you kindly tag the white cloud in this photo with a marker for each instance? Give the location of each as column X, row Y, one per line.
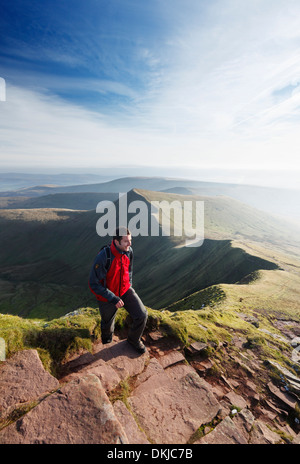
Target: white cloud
column 217, row 96
column 211, row 97
column 227, row 69
column 44, row 129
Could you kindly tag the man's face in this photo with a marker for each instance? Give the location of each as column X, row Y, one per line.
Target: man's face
column 125, row 243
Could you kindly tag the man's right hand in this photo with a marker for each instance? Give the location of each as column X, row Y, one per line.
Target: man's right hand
column 120, row 304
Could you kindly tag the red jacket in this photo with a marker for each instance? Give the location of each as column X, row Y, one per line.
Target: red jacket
column 110, row 284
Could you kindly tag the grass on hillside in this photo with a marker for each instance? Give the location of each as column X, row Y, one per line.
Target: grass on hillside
column 45, row 273
column 54, row 340
column 38, row 300
column 213, row 316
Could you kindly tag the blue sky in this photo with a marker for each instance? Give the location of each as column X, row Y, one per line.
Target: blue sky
column 193, row 83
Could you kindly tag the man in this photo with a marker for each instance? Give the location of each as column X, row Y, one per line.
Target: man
column 110, row 280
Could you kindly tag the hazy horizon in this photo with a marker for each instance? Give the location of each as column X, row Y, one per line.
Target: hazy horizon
column 261, row 178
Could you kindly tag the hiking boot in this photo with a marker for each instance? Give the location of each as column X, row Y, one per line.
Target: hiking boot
column 106, row 340
column 138, row 346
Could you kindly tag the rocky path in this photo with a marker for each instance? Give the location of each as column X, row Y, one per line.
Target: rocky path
column 116, row 396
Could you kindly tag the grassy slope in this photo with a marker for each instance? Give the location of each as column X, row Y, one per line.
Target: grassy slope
column 77, row 201
column 238, row 241
column 45, row 259
column 272, row 293
column 228, row 218
column 46, row 255
column 277, row 201
column 212, row 315
column 223, row 312
column 219, row 314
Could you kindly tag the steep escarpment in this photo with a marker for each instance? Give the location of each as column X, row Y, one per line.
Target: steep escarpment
column 46, row 254
column 222, row 364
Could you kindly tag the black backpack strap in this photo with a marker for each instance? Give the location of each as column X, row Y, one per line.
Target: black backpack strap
column 108, row 256
column 130, row 270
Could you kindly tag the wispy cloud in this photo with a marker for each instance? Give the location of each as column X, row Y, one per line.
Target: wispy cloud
column 230, row 67
column 198, row 83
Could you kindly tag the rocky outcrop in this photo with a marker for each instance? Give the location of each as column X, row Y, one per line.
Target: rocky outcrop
column 134, row 434
column 23, row 379
column 78, row 413
column 171, row 404
column 74, row 410
column 226, row 433
column 116, row 396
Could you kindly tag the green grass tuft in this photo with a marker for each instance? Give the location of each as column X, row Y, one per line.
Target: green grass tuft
column 54, row 340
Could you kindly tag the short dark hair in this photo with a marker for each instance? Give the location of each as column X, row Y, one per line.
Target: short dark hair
column 121, row 232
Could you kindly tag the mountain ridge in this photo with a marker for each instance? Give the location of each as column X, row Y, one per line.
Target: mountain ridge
column 58, row 250
column 223, row 331
column 279, row 201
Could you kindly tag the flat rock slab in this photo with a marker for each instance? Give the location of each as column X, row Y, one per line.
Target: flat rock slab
column 296, row 440
column 285, row 397
column 23, row 378
column 106, row 374
column 171, row 358
column 134, row 434
column 296, row 354
column 225, row 433
column 111, row 363
column 196, row 348
column 290, row 378
column 179, row 370
column 244, row 421
column 170, row 411
column 126, row 361
column 262, row 435
column 242, row 429
column 236, row 400
column 79, row 413
column 156, row 335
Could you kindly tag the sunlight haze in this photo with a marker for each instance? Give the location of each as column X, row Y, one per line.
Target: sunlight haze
column 197, row 84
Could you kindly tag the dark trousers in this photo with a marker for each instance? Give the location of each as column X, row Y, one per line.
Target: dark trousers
column 134, row 306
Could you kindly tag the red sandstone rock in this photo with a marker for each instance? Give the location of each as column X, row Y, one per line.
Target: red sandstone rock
column 23, row 378
column 79, row 413
column 134, row 434
column 170, row 411
column 225, row 433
